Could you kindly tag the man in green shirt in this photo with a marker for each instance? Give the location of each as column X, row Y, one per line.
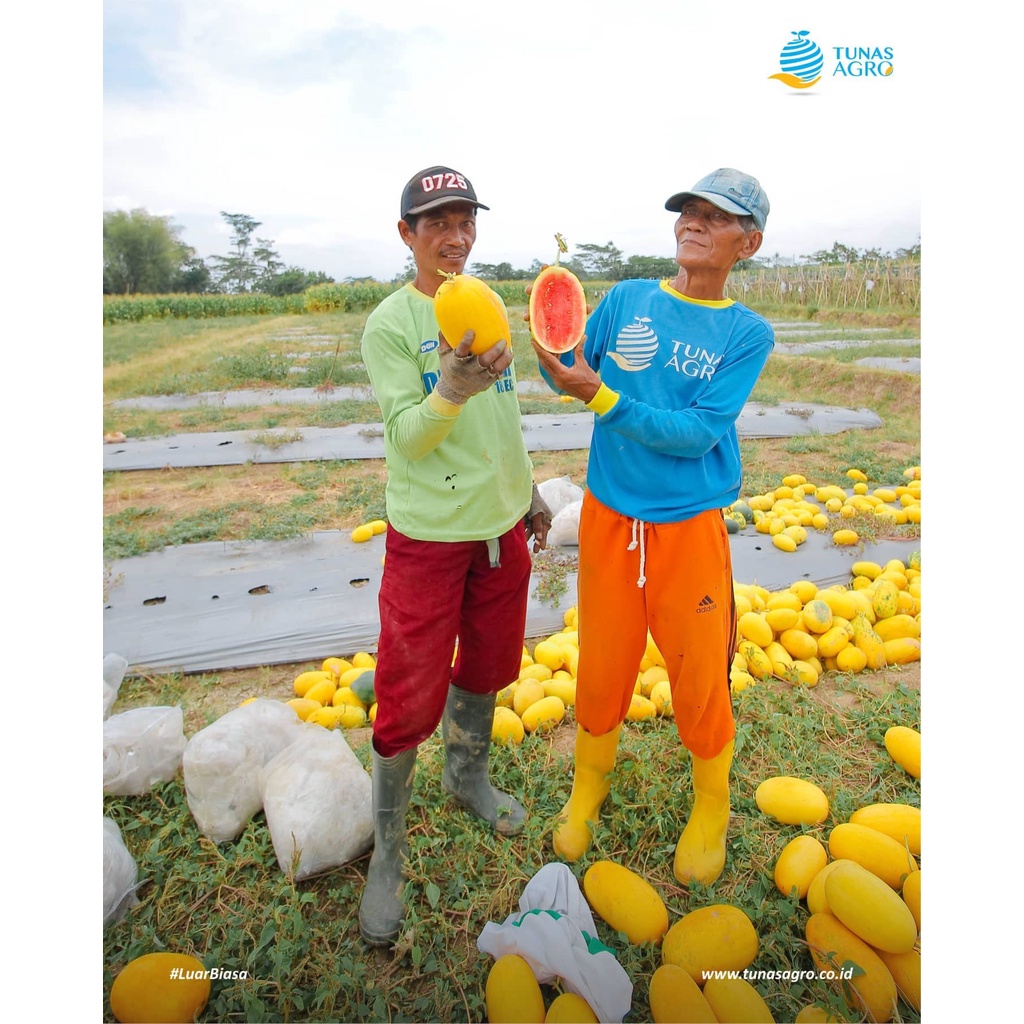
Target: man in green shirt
column 457, row 565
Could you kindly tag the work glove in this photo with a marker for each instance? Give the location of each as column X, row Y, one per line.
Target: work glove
column 462, row 377
column 538, row 521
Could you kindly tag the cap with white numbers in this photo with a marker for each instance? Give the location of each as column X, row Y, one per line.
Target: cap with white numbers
column 435, row 186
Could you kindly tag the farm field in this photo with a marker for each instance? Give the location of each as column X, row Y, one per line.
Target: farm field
column 146, row 509
column 232, row 906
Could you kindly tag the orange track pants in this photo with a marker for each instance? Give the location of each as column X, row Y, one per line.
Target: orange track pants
column 686, row 601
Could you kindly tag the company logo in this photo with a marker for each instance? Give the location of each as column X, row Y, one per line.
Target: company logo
column 863, row 61
column 706, row 604
column 635, row 346
column 693, row 360
column 801, row 61
column 429, row 345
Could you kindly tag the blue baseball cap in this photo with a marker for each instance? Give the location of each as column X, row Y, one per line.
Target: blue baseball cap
column 729, row 190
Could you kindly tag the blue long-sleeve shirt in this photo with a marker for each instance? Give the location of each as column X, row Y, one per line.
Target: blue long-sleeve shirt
column 664, row 446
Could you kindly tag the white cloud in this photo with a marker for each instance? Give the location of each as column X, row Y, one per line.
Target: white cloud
column 572, row 117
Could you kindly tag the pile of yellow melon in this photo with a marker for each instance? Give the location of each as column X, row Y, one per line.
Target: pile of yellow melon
column 536, row 701
column 796, row 634
column 513, row 994
column 332, row 696
column 718, row 937
column 863, row 890
column 803, row 631
column 365, row 531
column 786, row 512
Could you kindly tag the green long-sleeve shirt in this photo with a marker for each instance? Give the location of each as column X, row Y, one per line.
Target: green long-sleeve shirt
column 454, row 472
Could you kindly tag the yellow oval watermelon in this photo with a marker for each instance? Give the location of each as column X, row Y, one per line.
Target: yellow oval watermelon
column 465, row 303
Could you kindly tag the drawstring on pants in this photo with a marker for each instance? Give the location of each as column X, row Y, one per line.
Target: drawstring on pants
column 641, row 579
column 493, row 552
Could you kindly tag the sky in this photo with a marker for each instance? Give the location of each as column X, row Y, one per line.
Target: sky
column 571, row 117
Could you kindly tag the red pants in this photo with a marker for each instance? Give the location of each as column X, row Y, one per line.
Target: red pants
column 687, row 603
column 431, row 593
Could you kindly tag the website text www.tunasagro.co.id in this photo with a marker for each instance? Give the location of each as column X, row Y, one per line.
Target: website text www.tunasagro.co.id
column 842, row 974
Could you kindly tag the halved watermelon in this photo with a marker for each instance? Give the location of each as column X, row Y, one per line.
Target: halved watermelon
column 558, row 309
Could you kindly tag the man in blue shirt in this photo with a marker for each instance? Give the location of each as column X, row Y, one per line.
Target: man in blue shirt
column 666, row 367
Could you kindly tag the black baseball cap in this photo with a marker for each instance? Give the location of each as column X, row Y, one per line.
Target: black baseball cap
column 435, row 186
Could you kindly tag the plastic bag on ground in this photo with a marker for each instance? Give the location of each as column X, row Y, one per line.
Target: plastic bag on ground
column 141, row 747
column 114, row 668
column 565, row 526
column 559, row 492
column 223, row 765
column 317, row 798
column 120, row 874
column 554, row 932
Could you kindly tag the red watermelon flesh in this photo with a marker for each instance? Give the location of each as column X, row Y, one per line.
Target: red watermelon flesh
column 558, row 309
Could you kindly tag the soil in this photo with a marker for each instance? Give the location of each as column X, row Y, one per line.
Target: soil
column 170, row 495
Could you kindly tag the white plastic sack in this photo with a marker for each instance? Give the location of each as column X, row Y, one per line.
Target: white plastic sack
column 565, row 526
column 114, row 668
column 559, row 492
column 318, row 801
column 554, row 932
column 141, row 747
column 223, row 765
column 120, row 873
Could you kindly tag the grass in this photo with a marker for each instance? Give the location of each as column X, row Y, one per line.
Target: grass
column 188, row 356
column 127, row 343
column 825, row 458
column 147, row 511
column 268, row 440
column 874, row 350
column 232, row 906
column 165, row 356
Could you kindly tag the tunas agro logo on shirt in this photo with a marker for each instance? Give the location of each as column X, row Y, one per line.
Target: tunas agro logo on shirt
column 635, row 346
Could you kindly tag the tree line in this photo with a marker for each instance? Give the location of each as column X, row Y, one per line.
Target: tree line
column 589, row 262
column 592, row 262
column 144, row 254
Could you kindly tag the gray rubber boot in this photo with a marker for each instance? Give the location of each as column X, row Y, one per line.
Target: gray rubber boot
column 466, row 728
column 381, row 909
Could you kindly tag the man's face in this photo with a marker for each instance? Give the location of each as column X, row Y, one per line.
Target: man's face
column 708, row 238
column 443, row 238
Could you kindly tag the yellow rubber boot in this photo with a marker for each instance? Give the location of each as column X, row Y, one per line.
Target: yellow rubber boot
column 591, row 783
column 700, row 853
